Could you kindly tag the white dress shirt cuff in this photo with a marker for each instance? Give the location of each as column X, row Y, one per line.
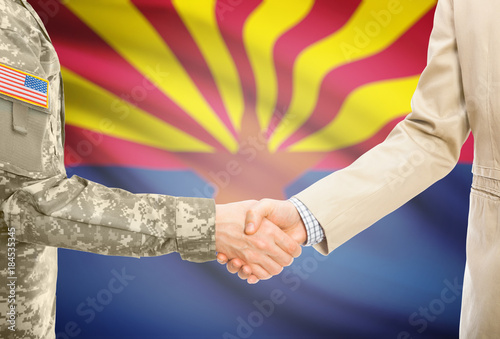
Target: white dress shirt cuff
column 315, row 233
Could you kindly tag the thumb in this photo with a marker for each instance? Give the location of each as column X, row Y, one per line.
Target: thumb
column 255, row 215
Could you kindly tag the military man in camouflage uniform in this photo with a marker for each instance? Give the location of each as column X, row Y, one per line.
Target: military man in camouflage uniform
column 42, row 209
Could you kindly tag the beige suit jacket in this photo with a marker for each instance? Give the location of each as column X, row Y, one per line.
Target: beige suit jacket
column 457, row 93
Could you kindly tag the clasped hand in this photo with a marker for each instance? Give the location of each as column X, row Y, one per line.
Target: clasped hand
column 258, row 239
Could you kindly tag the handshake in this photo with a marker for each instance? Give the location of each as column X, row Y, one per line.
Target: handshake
column 256, row 239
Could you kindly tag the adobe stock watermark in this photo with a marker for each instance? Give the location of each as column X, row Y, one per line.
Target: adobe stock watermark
column 225, row 6
column 364, row 35
column 437, row 141
column 11, row 278
column 49, row 9
column 89, row 308
column 292, row 278
column 219, row 180
column 409, row 164
column 420, row 319
column 249, row 149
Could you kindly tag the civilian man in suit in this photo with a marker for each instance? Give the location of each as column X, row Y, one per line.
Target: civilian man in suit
column 458, row 92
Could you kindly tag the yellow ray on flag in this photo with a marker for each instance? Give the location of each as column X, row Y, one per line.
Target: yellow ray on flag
column 262, row 29
column 92, row 107
column 373, row 27
column 362, row 115
column 200, row 19
column 125, row 29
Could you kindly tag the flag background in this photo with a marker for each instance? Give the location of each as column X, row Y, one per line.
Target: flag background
column 241, row 99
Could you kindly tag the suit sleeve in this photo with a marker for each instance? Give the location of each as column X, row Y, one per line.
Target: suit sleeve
column 78, row 214
column 420, row 150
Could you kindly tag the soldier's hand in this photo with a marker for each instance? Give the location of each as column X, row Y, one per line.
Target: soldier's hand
column 263, row 254
column 282, row 213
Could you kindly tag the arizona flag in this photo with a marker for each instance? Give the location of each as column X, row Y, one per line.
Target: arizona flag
column 238, row 99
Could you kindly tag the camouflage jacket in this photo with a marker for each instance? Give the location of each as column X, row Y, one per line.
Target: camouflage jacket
column 42, row 209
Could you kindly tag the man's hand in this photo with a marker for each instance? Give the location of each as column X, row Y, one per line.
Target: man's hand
column 280, row 212
column 264, row 253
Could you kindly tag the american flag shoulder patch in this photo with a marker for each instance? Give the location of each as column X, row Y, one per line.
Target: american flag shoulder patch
column 24, row 86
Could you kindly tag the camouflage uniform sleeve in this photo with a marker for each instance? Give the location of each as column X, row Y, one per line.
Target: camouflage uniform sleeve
column 78, row 214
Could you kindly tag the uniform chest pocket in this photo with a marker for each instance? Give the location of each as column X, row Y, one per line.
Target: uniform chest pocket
column 22, row 130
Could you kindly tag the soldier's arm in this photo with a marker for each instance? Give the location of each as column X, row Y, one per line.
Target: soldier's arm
column 79, row 214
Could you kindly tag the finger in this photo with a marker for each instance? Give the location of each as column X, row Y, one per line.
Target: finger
column 270, row 265
column 279, row 257
column 245, row 272
column 234, row 265
column 259, row 272
column 255, row 215
column 271, row 241
column 287, row 244
column 252, row 280
column 221, row 258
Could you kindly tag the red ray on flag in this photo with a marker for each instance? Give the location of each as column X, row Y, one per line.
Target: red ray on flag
column 250, row 94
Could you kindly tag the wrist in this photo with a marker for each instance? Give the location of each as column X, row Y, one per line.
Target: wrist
column 301, row 233
column 195, row 229
column 219, row 227
column 309, row 224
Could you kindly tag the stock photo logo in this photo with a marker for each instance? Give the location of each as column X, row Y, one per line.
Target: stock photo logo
column 236, row 89
column 242, row 99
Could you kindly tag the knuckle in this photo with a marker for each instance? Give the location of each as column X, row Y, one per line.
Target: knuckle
column 291, row 248
column 269, row 232
column 231, row 268
column 247, row 270
column 261, row 244
column 252, row 257
column 254, row 211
